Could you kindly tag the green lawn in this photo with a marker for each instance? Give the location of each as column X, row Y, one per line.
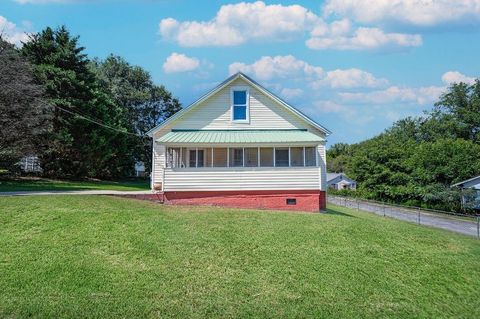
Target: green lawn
column 107, row 257
column 42, row 184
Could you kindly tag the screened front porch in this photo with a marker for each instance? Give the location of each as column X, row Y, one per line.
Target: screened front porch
column 235, row 157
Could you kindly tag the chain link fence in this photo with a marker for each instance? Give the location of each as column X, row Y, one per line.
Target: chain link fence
column 460, row 223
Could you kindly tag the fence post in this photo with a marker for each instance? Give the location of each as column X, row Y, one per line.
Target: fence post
column 478, row 227
column 418, row 208
column 358, row 205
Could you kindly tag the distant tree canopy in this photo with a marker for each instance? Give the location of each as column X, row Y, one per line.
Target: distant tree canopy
column 82, row 117
column 417, row 159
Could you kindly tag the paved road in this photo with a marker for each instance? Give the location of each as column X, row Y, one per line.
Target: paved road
column 75, row 192
column 422, row 217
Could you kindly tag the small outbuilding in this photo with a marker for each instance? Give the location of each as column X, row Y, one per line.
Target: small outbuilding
column 340, row 181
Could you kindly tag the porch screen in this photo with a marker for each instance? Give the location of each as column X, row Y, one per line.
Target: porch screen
column 266, row 156
column 219, row 157
column 296, row 156
column 251, row 157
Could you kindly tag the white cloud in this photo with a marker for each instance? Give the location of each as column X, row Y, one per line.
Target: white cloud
column 11, row 32
column 178, row 62
column 395, row 94
column 409, row 12
column 288, row 93
column 287, row 66
column 362, row 39
column 293, row 69
column 235, row 24
column 350, row 78
column 451, row 77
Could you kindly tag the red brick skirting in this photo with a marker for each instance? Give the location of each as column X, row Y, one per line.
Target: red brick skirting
column 295, row 200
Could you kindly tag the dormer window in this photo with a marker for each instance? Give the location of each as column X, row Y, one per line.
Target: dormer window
column 240, row 106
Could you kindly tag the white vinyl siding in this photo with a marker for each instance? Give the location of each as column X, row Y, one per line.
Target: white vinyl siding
column 248, row 178
column 216, row 114
column 158, row 163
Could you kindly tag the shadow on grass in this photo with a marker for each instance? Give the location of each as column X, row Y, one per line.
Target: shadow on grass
column 331, row 211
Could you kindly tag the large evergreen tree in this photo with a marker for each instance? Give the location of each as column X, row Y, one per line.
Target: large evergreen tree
column 77, row 147
column 23, row 111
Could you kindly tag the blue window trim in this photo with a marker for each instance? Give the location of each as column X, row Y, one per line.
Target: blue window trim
column 232, row 105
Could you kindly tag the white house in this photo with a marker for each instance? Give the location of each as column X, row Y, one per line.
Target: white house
column 470, row 192
column 340, row 181
column 240, row 145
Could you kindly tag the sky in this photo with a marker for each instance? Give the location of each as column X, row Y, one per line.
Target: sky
column 354, row 66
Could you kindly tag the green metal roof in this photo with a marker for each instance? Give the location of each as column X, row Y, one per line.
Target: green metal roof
column 238, row 136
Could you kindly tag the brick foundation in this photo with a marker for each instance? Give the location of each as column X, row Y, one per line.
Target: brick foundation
column 300, row 200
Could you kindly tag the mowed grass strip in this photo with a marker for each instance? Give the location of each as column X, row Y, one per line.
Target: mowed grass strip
column 44, row 184
column 106, row 257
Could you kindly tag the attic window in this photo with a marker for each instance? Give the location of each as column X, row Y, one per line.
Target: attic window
column 240, row 110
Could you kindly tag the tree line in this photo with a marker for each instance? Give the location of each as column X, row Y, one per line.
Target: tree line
column 417, row 159
column 82, row 117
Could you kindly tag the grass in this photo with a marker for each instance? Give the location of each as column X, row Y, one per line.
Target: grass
column 106, row 257
column 43, row 184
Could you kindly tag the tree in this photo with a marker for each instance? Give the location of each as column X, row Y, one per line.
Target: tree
column 459, row 109
column 23, row 110
column 146, row 104
column 77, row 147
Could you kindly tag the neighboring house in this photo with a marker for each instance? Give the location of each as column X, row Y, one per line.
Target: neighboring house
column 30, row 164
column 470, row 192
column 340, row 181
column 139, row 169
column 240, row 145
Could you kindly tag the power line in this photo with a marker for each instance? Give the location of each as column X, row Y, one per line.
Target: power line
column 80, row 115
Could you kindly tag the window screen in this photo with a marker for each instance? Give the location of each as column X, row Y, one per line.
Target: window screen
column 296, row 156
column 266, row 156
column 281, row 157
column 251, row 157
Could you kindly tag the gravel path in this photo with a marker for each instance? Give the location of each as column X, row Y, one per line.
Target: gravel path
column 467, row 225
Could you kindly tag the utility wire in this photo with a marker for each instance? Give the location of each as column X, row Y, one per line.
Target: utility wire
column 80, row 115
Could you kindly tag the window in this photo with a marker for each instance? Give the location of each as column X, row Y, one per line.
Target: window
column 219, row 157
column 251, row 157
column 240, row 105
column 266, row 156
column 236, row 157
column 281, row 157
column 310, row 156
column 296, row 156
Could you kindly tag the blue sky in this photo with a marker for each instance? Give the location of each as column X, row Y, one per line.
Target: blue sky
column 353, row 66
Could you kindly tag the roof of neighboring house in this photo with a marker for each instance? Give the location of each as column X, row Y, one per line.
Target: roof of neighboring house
column 336, row 177
column 254, row 84
column 468, row 183
column 238, row 136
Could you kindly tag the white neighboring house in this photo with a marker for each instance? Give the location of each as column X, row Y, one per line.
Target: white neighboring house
column 240, row 145
column 30, row 164
column 470, row 192
column 340, row 181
